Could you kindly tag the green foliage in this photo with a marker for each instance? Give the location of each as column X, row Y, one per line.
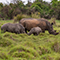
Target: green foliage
column 54, row 2
column 42, row 7
column 1, row 5
column 19, row 17
column 20, row 4
column 46, row 10
column 37, row 6
column 36, row 15
column 56, row 9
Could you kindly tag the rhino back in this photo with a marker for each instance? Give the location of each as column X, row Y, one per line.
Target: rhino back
column 34, row 23
column 28, row 24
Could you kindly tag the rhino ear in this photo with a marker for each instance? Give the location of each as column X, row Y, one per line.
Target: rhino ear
column 51, row 23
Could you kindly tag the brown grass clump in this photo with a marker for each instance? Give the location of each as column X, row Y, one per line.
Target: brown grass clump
column 3, row 55
column 44, row 50
column 56, row 47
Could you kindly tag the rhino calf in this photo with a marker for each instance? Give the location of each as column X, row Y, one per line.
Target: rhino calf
column 14, row 28
column 35, row 31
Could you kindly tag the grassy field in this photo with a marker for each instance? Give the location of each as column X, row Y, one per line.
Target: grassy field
column 45, row 46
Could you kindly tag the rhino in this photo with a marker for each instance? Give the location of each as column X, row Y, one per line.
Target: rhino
column 44, row 24
column 14, row 28
column 35, row 31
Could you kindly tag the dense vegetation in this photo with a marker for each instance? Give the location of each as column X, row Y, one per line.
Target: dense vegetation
column 45, row 46
column 38, row 7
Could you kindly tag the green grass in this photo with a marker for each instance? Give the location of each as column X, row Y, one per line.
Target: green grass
column 45, row 46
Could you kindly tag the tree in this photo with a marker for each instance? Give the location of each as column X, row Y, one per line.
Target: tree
column 56, row 8
column 15, row 1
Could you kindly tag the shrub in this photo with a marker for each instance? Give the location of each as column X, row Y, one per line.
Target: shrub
column 35, row 15
column 19, row 17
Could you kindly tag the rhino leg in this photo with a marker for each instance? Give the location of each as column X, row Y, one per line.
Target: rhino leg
column 43, row 31
column 35, row 34
column 54, row 30
column 17, row 32
column 4, row 31
column 25, row 30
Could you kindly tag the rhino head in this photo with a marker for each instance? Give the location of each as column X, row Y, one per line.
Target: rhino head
column 51, row 30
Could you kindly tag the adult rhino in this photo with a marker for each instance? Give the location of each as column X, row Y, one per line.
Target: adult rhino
column 42, row 23
column 14, row 28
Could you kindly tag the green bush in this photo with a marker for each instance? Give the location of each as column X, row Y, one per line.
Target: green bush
column 19, row 17
column 35, row 15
